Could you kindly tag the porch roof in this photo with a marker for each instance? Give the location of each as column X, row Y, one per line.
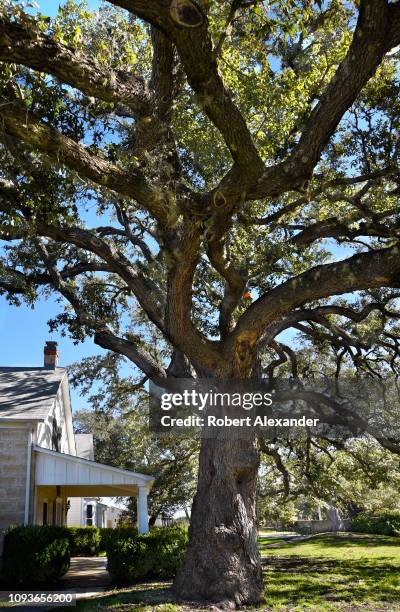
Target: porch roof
column 86, row 478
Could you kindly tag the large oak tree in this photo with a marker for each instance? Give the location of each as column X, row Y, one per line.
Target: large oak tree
column 226, row 147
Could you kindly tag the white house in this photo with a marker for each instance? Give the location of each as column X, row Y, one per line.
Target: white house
column 86, row 511
column 46, row 470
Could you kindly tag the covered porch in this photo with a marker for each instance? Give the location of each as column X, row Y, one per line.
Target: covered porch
column 59, row 476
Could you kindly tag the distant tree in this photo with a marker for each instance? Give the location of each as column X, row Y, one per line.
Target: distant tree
column 118, row 419
column 225, row 147
column 306, row 479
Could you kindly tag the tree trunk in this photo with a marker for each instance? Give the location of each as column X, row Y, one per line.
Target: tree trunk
column 152, row 520
column 223, row 564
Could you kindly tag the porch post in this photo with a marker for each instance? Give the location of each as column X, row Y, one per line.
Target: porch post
column 143, row 517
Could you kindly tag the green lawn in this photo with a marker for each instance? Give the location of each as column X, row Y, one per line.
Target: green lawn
column 334, row 572
column 265, row 543
column 346, row 573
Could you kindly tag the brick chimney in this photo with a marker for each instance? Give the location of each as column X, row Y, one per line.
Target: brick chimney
column 50, row 355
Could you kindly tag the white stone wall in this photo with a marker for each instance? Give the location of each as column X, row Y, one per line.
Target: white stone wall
column 13, row 466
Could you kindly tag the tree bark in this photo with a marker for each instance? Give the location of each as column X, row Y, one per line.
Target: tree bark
column 222, row 563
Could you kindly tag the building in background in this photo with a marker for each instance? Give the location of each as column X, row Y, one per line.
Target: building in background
column 88, row 511
column 44, row 468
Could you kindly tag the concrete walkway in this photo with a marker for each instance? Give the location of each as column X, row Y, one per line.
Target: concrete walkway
column 87, row 576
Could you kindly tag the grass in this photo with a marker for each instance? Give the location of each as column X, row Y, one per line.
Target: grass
column 334, row 572
column 265, row 543
column 331, row 572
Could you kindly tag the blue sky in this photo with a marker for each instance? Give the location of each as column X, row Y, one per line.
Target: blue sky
column 50, row 7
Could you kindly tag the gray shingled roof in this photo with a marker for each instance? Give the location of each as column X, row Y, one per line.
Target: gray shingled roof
column 28, row 393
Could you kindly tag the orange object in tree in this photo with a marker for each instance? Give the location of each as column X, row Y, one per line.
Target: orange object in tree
column 247, row 295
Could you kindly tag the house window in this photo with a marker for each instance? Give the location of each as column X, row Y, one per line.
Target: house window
column 45, row 513
column 89, row 514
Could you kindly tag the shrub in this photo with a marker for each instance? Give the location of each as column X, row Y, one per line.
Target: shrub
column 385, row 523
column 35, row 554
column 84, row 541
column 110, row 533
column 169, row 547
column 157, row 554
column 105, row 536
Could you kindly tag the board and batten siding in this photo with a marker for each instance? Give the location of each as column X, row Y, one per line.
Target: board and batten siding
column 75, row 513
column 44, row 437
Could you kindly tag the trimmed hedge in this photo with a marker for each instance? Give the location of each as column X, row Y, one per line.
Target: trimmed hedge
column 35, row 554
column 111, row 533
column 84, row 541
column 385, row 523
column 90, row 541
column 157, row 554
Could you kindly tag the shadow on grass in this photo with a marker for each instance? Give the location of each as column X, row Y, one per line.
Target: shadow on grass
column 338, row 540
column 144, row 597
column 319, row 581
column 145, row 594
column 360, row 540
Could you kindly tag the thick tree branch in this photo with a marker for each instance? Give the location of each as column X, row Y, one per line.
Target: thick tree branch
column 26, row 126
column 393, row 37
column 364, row 56
column 62, row 287
column 235, row 283
column 153, row 134
column 197, row 56
column 275, row 363
column 183, row 254
column 377, row 268
column 176, row 325
column 373, row 37
column 334, row 228
column 140, row 357
column 341, row 414
column 103, row 335
column 165, row 77
column 322, row 190
column 342, row 339
column 145, row 291
column 314, row 314
column 23, row 43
